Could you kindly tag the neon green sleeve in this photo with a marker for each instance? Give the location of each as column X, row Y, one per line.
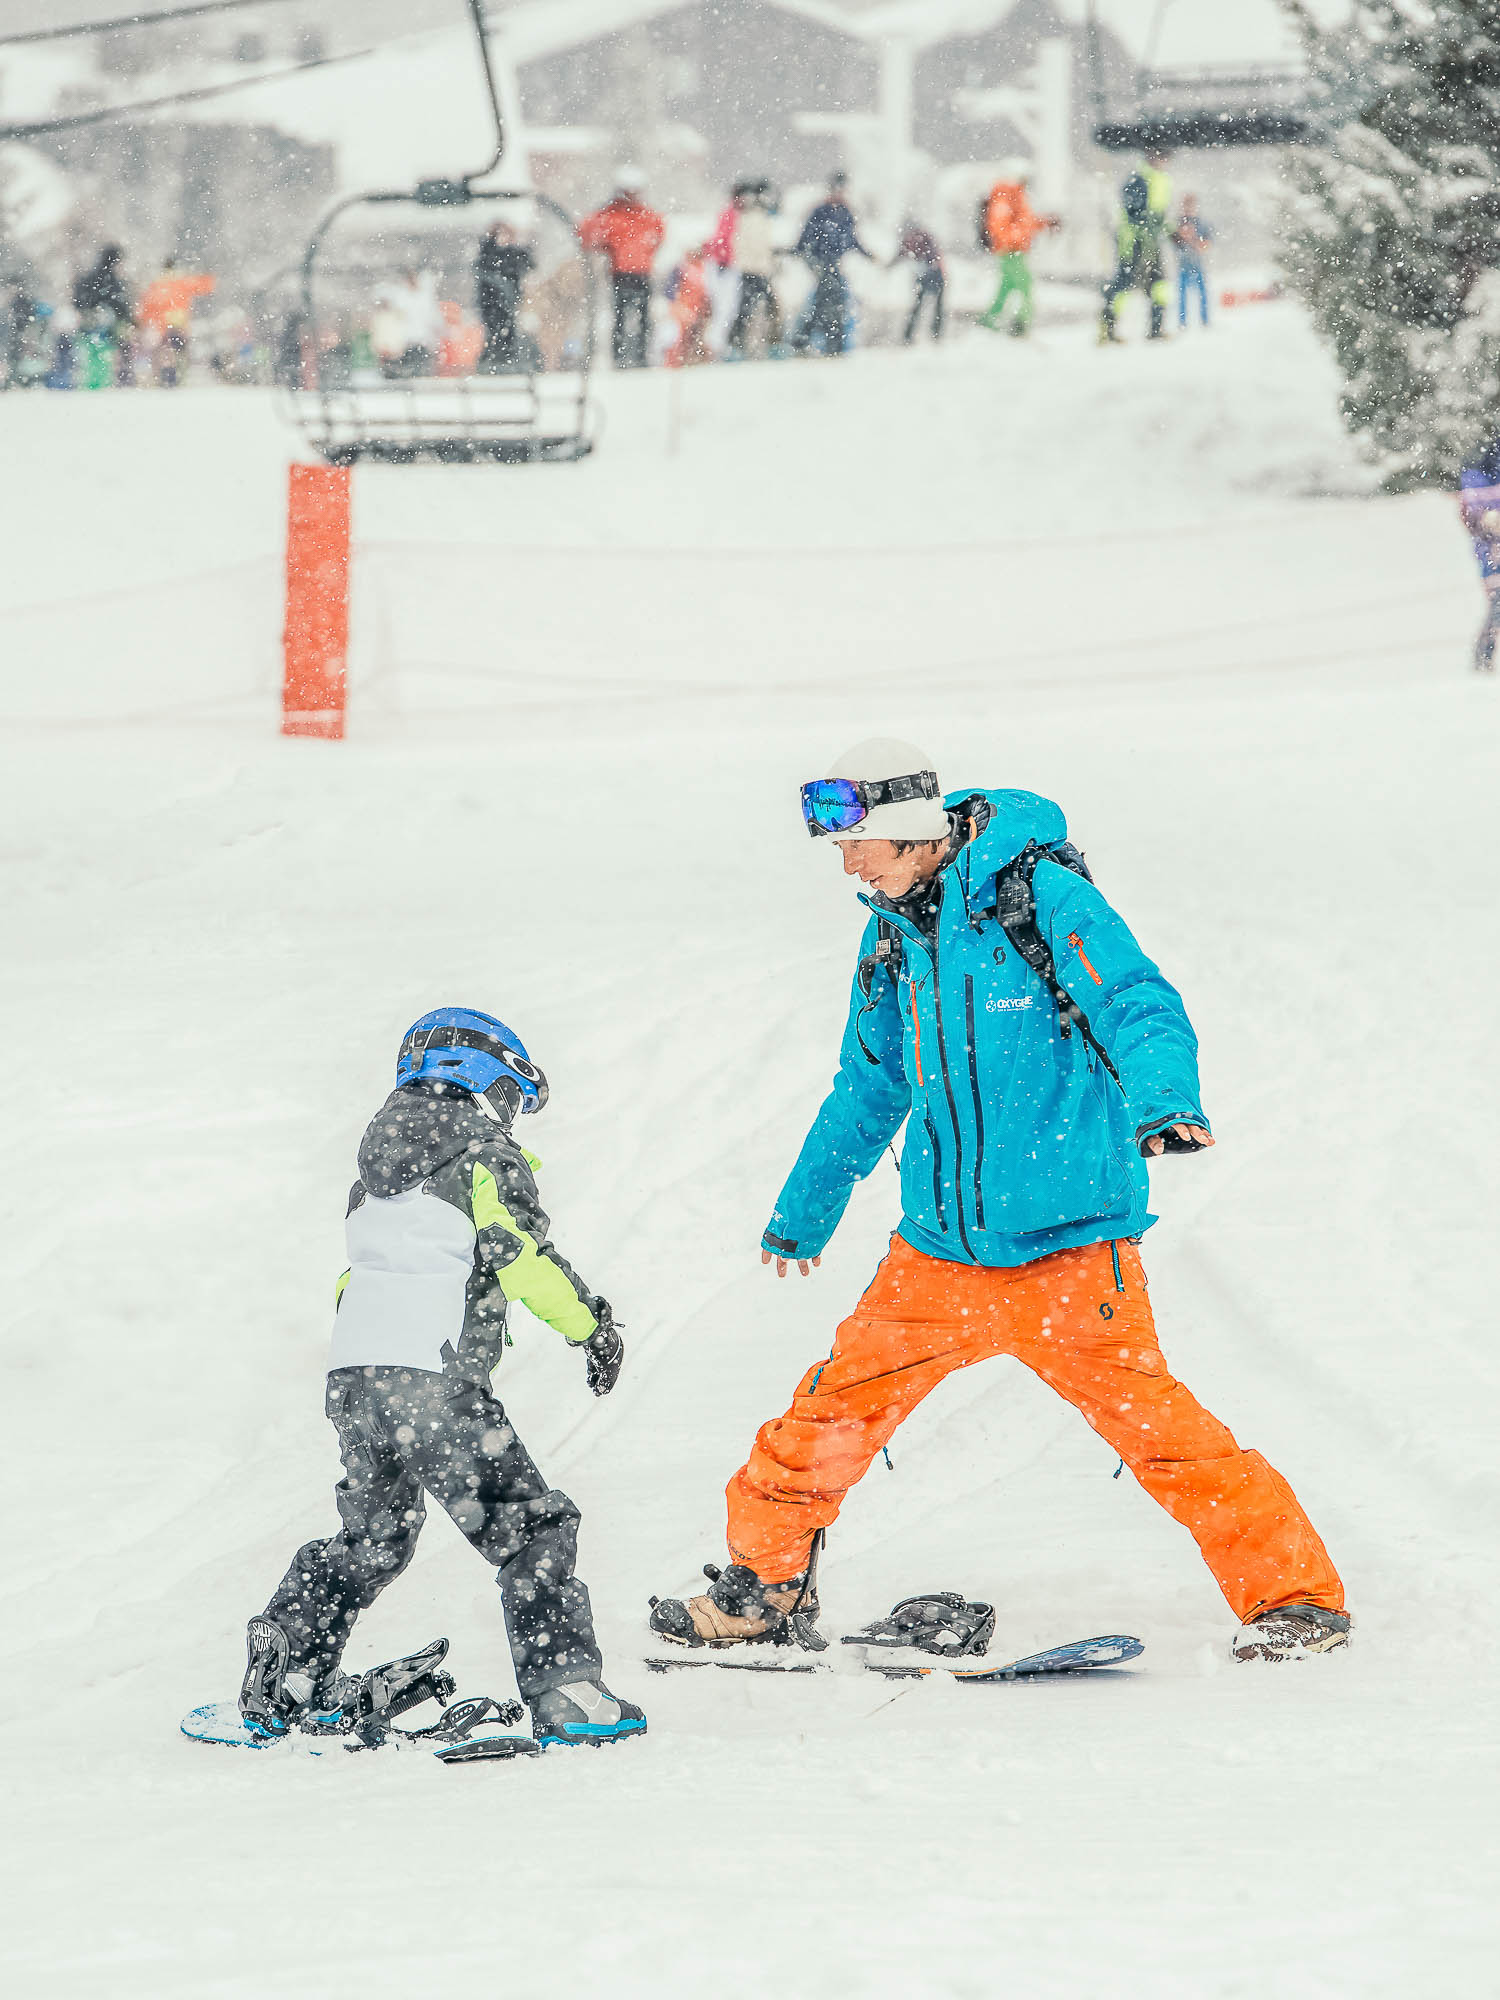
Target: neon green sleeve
column 536, row 1275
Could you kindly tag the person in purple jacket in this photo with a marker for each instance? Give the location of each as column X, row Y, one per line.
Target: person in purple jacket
column 921, row 246
column 1479, row 501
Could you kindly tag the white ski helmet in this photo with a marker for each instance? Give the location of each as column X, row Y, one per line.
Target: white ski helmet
column 913, row 818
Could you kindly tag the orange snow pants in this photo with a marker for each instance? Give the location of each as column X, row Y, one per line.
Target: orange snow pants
column 1079, row 1319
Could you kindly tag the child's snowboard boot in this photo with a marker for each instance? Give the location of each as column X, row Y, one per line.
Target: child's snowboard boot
column 583, row 1712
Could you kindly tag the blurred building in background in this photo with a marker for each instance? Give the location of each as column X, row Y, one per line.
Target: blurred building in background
column 285, row 106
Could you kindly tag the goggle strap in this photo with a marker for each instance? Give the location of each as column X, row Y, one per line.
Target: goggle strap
column 446, row 1036
column 898, row 791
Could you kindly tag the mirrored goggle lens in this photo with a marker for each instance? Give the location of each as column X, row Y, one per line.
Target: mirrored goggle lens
column 831, row 805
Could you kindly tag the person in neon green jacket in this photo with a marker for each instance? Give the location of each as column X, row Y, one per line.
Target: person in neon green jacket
column 1140, row 242
column 445, row 1232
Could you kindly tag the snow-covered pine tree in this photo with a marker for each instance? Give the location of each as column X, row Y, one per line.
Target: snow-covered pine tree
column 1392, row 229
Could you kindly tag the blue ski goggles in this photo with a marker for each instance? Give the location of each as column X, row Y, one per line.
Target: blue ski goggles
column 838, row 805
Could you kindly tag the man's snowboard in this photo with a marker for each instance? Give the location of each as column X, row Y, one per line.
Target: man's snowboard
column 470, row 1732
column 1078, row 1656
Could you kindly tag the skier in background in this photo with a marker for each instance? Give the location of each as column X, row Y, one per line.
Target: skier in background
column 691, row 300
column 445, row 1230
column 1010, row 226
column 722, row 276
column 422, row 327
column 1192, row 236
column 19, row 316
column 921, row 246
column 1479, row 503
column 103, row 305
column 64, row 325
column 165, row 316
column 1004, row 1012
column 755, row 261
column 1140, row 237
column 504, row 263
column 828, row 236
column 629, row 234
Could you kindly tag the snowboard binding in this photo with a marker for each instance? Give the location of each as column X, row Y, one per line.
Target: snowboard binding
column 941, row 1623
column 275, row 1699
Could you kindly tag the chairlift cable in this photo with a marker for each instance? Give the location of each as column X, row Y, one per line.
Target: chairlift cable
column 139, row 20
column 75, row 120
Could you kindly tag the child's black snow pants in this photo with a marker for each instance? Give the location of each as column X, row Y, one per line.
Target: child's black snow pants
column 404, row 1432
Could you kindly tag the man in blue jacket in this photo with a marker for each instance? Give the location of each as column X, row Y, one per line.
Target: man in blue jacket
column 828, row 236
column 1005, row 1013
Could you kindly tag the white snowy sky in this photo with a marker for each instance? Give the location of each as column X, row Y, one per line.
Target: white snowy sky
column 1190, row 30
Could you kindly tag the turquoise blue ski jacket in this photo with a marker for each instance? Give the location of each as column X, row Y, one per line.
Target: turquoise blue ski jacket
column 1018, row 1142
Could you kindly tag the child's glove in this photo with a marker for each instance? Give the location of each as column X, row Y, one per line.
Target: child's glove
column 603, row 1351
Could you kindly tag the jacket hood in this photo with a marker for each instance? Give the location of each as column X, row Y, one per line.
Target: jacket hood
column 415, row 1133
column 1014, row 818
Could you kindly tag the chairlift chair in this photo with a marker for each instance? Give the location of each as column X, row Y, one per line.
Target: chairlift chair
column 530, row 404
column 1183, row 110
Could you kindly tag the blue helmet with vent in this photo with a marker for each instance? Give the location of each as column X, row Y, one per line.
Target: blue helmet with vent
column 471, row 1051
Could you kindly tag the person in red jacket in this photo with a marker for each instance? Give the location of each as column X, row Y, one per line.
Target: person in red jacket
column 1011, row 226
column 629, row 234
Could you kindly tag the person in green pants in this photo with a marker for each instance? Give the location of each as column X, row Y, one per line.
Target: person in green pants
column 1011, row 226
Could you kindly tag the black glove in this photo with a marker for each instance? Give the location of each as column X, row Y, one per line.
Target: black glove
column 603, row 1351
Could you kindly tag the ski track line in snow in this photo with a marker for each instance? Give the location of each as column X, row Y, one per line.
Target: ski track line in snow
column 1021, row 543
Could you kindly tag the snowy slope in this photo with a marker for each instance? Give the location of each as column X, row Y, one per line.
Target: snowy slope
column 1147, row 583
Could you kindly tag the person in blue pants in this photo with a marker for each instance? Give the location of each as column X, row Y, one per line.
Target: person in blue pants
column 1192, row 237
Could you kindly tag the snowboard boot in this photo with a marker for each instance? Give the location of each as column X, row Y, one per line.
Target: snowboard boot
column 583, row 1712
column 1291, row 1631
column 741, row 1610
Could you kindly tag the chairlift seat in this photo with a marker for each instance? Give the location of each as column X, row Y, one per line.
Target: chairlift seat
column 530, row 412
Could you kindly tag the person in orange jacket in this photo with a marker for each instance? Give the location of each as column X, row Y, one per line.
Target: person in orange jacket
column 629, row 234
column 1011, row 226
column 165, row 314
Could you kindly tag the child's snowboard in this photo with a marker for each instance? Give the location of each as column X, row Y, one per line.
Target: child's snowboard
column 470, row 1732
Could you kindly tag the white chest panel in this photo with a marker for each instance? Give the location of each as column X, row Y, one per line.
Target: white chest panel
column 410, row 1260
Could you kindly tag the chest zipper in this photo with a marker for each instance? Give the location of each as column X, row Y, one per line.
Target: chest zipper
column 973, row 1044
column 958, row 1146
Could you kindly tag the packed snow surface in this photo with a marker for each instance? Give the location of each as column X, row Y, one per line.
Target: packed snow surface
column 1153, row 584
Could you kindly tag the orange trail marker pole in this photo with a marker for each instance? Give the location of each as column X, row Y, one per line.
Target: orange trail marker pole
column 316, row 637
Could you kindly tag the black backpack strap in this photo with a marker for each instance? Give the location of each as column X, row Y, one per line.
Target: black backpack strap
column 886, row 955
column 1015, row 912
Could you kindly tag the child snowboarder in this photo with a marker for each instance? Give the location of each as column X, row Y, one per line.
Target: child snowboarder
column 445, row 1229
